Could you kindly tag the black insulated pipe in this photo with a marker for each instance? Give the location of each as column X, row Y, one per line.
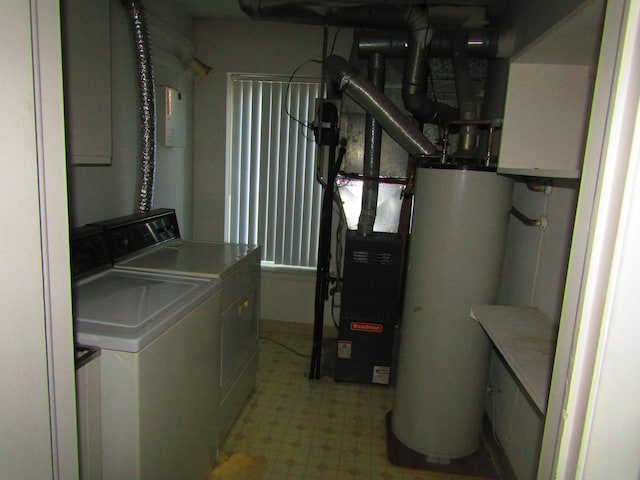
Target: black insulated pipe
column 137, row 16
column 324, row 251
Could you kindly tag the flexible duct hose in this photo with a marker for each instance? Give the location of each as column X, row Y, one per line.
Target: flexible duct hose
column 147, row 112
column 398, row 126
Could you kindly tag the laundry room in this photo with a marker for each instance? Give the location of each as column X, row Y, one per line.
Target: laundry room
column 348, row 238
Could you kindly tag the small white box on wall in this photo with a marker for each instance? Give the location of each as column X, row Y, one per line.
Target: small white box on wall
column 171, row 117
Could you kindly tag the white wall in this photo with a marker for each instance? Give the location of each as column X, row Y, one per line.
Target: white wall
column 535, row 267
column 240, row 47
column 37, row 409
column 536, row 260
column 101, row 192
column 249, row 47
column 526, row 21
column 534, row 275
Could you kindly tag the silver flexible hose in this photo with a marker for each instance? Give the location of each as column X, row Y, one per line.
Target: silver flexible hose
column 393, row 121
column 147, row 112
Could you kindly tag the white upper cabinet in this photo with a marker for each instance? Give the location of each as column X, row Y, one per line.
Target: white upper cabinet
column 548, row 98
column 87, row 80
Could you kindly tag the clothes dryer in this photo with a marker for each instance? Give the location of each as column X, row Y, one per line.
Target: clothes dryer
column 151, row 243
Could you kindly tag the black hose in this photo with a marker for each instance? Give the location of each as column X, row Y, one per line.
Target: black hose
column 324, row 252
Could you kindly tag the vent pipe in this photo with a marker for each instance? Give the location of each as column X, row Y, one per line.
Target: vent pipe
column 392, row 120
column 464, row 93
column 138, row 19
column 390, row 43
column 480, row 43
column 415, row 79
column 372, row 147
column 383, row 15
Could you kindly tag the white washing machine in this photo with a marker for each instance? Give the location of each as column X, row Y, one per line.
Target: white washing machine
column 151, row 243
column 158, row 339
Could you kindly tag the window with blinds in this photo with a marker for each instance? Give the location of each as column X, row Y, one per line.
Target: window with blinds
column 273, row 198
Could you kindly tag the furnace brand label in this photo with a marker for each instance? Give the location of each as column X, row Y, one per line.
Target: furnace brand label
column 366, row 327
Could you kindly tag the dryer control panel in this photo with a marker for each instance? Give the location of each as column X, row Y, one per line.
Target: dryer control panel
column 133, row 233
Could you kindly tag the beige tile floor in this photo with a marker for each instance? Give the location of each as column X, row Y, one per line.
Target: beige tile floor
column 314, row 429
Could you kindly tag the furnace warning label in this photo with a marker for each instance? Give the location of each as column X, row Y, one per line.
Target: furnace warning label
column 344, row 349
column 380, row 374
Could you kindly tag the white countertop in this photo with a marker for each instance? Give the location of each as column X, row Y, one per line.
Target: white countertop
column 526, row 338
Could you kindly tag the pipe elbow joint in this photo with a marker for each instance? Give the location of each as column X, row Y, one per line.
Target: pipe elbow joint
column 417, row 23
column 340, row 70
column 423, row 109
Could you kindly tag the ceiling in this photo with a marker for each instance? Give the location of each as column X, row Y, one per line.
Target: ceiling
column 230, row 9
column 212, row 9
column 572, row 40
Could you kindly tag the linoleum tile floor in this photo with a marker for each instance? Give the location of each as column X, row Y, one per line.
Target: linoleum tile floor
column 314, row 429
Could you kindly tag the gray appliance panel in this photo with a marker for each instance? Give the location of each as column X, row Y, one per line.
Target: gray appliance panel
column 126, row 310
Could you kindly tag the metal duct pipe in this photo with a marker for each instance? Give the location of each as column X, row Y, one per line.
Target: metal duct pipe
column 464, row 92
column 387, row 15
column 393, row 121
column 358, row 13
column 390, row 43
column 146, row 180
column 372, row 147
column 480, row 42
column 415, row 78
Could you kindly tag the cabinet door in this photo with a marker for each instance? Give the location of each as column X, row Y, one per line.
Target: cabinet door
column 549, row 92
column 545, row 120
column 87, row 80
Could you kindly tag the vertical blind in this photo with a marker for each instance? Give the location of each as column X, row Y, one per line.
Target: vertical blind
column 273, row 198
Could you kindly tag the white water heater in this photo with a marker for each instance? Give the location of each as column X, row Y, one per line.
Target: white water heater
column 456, row 253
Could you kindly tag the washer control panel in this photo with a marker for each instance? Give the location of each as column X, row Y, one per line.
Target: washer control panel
column 134, row 233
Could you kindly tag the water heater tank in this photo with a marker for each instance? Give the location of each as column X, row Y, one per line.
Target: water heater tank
column 455, row 260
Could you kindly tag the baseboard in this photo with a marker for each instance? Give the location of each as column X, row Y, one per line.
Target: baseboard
column 297, row 328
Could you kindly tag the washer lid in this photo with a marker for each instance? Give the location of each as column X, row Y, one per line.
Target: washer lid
column 191, row 258
column 122, row 310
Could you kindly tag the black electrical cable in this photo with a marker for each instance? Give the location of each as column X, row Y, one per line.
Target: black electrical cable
column 435, row 100
column 305, row 355
column 333, row 43
column 339, row 230
column 339, row 227
column 430, row 73
column 286, row 94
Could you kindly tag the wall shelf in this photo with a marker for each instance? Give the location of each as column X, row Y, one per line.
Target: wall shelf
column 526, row 339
